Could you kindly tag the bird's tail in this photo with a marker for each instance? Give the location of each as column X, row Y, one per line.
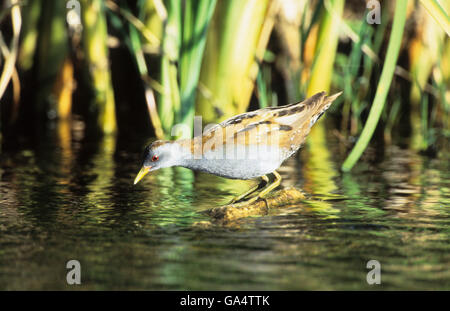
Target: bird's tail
column 325, row 103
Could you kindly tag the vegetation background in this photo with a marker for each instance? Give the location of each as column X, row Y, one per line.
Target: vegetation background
column 140, row 67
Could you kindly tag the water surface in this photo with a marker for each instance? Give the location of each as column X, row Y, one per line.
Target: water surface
column 67, row 198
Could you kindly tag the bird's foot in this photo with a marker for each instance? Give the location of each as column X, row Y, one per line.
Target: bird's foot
column 248, row 201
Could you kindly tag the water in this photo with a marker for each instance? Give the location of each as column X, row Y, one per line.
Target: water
column 65, row 198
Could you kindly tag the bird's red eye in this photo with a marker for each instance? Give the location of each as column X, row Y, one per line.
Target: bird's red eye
column 155, row 158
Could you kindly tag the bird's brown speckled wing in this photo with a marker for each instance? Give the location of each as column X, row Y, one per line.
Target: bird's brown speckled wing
column 286, row 126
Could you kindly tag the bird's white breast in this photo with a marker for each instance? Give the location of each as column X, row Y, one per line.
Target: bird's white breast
column 238, row 162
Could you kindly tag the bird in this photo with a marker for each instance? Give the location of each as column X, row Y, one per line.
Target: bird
column 246, row 146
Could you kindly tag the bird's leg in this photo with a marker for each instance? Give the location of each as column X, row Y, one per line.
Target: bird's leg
column 272, row 186
column 265, row 180
column 267, row 189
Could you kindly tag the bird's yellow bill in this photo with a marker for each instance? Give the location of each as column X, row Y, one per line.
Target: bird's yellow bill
column 144, row 170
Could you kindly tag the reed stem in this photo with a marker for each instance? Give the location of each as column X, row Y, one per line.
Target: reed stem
column 384, row 84
column 95, row 37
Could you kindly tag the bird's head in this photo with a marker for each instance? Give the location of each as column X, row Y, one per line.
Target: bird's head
column 156, row 155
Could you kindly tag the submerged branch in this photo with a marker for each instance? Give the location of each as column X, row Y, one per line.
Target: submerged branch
column 261, row 207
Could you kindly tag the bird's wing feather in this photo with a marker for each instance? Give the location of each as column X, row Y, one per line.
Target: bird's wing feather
column 286, row 125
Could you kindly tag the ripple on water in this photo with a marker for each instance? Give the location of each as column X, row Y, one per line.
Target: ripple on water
column 79, row 203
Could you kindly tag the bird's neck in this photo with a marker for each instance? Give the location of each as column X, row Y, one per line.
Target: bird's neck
column 188, row 152
column 181, row 152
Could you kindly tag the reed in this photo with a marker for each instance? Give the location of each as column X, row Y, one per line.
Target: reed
column 95, row 37
column 211, row 58
column 29, row 33
column 135, row 41
column 51, row 54
column 183, row 43
column 11, row 56
column 169, row 100
column 383, row 86
column 196, row 19
column 9, row 73
column 325, row 51
column 438, row 13
column 235, row 35
column 152, row 14
column 320, row 80
column 290, row 29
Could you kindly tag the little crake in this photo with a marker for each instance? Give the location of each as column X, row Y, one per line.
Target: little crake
column 246, row 146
